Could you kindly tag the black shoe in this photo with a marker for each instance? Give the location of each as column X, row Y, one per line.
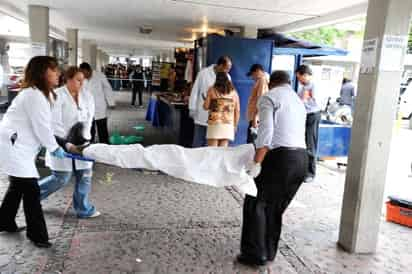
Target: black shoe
column 17, row 230
column 250, row 261
column 309, row 179
column 271, row 259
column 42, row 244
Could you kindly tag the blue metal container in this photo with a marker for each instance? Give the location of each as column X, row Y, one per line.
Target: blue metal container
column 334, row 140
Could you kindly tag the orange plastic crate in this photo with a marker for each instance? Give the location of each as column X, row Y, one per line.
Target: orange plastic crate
column 399, row 215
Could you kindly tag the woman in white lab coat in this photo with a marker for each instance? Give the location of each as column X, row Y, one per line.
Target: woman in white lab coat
column 25, row 128
column 73, row 105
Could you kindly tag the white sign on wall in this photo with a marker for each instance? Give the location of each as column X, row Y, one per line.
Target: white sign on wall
column 393, row 50
column 328, row 81
column 369, row 53
column 38, row 49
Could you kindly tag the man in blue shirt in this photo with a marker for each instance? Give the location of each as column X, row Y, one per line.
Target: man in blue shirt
column 347, row 93
column 307, row 92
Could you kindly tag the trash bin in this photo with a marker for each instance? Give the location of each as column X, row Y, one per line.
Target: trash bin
column 399, row 211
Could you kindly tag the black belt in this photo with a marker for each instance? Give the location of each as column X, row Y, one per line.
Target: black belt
column 279, row 149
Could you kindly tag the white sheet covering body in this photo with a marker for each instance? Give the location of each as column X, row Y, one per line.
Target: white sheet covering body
column 213, row 166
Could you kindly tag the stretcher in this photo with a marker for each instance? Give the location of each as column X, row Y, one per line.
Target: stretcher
column 78, row 157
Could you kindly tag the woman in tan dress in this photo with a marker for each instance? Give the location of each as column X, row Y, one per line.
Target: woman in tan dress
column 222, row 102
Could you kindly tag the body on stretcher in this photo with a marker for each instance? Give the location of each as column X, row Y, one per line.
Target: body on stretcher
column 213, row 166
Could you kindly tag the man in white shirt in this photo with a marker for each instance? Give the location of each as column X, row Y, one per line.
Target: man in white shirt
column 204, row 80
column 282, row 159
column 103, row 95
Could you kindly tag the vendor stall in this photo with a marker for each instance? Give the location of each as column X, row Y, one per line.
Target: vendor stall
column 274, row 52
column 169, row 110
column 160, row 75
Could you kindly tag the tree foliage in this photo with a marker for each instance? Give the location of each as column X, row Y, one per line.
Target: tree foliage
column 322, row 35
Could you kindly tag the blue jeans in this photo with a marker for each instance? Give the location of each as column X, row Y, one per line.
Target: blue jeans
column 82, row 188
column 199, row 136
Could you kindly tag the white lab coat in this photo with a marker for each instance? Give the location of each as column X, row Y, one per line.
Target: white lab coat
column 66, row 113
column 189, row 72
column 102, row 92
column 28, row 118
column 204, row 80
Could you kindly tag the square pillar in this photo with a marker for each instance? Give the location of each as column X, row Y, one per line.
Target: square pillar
column 72, row 38
column 378, row 90
column 39, row 29
column 93, row 56
column 89, row 52
column 99, row 60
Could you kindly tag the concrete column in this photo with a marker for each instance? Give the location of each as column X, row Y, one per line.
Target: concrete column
column 105, row 58
column 4, row 66
column 72, row 38
column 102, row 59
column 99, row 59
column 86, row 50
column 39, row 29
column 89, row 52
column 93, row 56
column 372, row 130
column 249, row 32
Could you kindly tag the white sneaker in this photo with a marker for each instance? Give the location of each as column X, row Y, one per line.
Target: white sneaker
column 95, row 214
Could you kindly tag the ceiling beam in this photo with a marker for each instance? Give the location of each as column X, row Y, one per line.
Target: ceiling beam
column 235, row 7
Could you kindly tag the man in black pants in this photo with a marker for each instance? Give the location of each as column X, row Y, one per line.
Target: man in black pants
column 138, row 85
column 307, row 93
column 278, row 168
column 102, row 131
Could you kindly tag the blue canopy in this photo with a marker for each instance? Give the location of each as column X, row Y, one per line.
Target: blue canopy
column 289, row 45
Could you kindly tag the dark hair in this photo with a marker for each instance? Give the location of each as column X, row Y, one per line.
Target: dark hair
column 223, row 84
column 345, row 80
column 255, row 67
column 71, row 72
column 279, row 77
column 304, row 69
column 35, row 74
column 85, row 66
column 223, row 60
column 75, row 135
